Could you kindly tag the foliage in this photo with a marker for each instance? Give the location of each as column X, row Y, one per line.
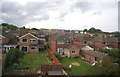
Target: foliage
column 13, row 56
column 85, row 30
column 47, row 38
column 23, row 27
column 9, row 26
column 23, row 31
column 35, row 29
column 106, row 68
column 58, row 57
column 112, row 52
column 116, row 34
column 19, row 66
column 93, row 30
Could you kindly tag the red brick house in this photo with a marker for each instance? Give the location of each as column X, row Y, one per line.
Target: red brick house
column 62, row 44
column 98, row 41
column 77, row 42
column 93, row 56
column 29, row 43
column 113, row 42
column 59, row 41
column 72, row 51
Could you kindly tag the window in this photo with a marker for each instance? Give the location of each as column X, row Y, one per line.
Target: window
column 60, row 50
column 68, row 42
column 24, row 49
column 103, row 42
column 32, row 40
column 24, row 40
column 11, row 47
column 95, row 58
column 60, row 42
column 74, row 52
column 33, row 48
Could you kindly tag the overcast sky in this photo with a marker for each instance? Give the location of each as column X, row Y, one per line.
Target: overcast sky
column 61, row 14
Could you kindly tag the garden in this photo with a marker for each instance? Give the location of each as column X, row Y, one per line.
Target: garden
column 17, row 59
column 78, row 66
column 34, row 60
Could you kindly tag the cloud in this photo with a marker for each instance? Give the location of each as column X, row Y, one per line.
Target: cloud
column 65, row 14
column 83, row 6
column 13, row 12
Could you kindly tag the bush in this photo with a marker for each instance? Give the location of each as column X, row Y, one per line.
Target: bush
column 13, row 57
column 58, row 57
column 21, row 66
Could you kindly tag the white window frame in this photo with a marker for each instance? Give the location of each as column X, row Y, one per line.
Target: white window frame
column 35, row 48
column 24, row 42
column 24, row 46
column 31, row 40
column 60, row 42
column 75, row 51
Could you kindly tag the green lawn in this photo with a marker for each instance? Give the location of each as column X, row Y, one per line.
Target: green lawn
column 84, row 68
column 34, row 60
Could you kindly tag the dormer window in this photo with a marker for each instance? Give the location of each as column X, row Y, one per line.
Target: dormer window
column 24, row 40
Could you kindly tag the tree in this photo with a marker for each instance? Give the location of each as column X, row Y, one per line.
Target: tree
column 35, row 29
column 113, row 53
column 13, row 56
column 9, row 26
column 92, row 30
column 85, row 30
column 106, row 68
column 23, row 27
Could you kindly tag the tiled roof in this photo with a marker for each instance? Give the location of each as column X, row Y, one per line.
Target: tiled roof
column 95, row 54
column 55, row 36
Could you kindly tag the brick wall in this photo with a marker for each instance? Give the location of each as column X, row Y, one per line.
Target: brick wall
column 34, row 51
column 77, row 43
column 98, row 44
column 52, row 45
column 89, row 58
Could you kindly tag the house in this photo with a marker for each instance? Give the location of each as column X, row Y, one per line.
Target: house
column 17, row 33
column 4, row 39
column 87, row 48
column 62, row 44
column 113, row 42
column 8, row 47
column 88, row 40
column 29, row 43
column 71, row 51
column 93, row 56
column 78, row 40
column 98, row 41
column 58, row 41
column 42, row 35
column 12, row 43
